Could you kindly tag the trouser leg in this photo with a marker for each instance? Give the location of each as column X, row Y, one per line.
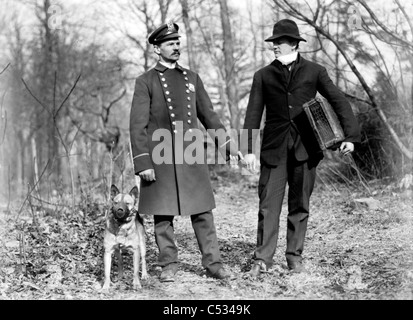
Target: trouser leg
column 164, row 237
column 301, row 183
column 271, row 189
column 204, row 228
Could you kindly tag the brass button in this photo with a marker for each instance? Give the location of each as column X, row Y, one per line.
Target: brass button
column 165, row 85
column 172, row 115
column 189, row 114
column 174, row 123
column 189, row 121
column 163, row 79
column 175, row 131
column 185, row 73
column 189, row 98
column 187, row 91
column 189, row 106
column 186, row 78
column 167, row 92
column 171, row 108
column 290, row 107
column 169, row 100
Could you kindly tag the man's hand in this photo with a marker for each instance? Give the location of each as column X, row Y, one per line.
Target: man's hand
column 251, row 162
column 235, row 158
column 346, row 148
column 147, row 175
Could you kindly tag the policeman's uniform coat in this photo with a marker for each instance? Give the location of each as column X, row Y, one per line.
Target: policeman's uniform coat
column 172, row 100
column 283, row 94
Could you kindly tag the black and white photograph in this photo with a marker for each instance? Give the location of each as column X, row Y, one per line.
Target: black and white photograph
column 206, row 155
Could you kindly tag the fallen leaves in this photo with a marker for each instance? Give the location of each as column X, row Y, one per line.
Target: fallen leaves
column 356, row 248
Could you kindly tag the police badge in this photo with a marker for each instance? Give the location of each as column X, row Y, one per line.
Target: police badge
column 191, row 87
column 171, row 27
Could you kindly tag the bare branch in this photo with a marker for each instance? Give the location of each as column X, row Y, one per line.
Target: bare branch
column 112, row 103
column 408, row 19
column 32, row 189
column 35, row 98
column 384, row 27
column 5, row 68
column 357, row 98
column 68, row 95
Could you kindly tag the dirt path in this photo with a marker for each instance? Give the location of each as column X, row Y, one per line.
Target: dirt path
column 351, row 252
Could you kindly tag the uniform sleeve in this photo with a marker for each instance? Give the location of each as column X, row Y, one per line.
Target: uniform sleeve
column 139, row 119
column 340, row 105
column 253, row 116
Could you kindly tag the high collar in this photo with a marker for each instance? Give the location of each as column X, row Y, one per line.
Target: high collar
column 162, row 68
column 288, row 58
column 277, row 63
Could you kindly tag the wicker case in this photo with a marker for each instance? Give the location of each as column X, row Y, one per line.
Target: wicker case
column 324, row 122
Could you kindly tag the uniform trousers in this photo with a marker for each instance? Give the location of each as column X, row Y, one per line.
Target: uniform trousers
column 271, row 189
column 204, row 228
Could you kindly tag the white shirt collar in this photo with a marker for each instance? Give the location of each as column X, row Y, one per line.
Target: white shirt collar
column 168, row 65
column 288, row 58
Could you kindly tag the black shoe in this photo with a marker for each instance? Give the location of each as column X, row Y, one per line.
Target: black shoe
column 221, row 274
column 168, row 273
column 257, row 268
column 295, row 266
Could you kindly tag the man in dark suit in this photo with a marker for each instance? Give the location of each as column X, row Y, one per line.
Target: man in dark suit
column 168, row 101
column 289, row 150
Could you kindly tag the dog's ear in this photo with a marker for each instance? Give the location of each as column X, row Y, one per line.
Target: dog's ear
column 134, row 192
column 114, row 191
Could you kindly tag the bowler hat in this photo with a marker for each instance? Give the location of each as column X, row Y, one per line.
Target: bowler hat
column 163, row 33
column 285, row 28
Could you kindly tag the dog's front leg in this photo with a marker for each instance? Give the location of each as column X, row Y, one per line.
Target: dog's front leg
column 136, row 258
column 120, row 263
column 107, row 262
column 143, row 258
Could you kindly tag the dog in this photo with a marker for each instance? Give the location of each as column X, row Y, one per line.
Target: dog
column 124, row 231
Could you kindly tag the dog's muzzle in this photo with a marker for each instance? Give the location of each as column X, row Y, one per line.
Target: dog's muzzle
column 121, row 213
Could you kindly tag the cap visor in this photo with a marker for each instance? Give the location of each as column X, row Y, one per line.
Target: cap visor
column 168, row 37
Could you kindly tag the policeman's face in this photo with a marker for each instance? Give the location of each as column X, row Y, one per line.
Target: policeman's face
column 283, row 46
column 169, row 51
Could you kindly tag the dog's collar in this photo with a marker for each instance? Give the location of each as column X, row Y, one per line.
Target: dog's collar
column 128, row 219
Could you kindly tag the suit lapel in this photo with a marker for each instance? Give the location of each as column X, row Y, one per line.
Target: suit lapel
column 287, row 82
column 279, row 73
column 298, row 65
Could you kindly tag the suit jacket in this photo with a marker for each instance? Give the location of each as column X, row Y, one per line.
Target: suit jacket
column 171, row 101
column 283, row 94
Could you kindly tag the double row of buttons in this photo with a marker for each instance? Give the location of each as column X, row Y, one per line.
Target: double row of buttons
column 169, row 100
column 188, row 98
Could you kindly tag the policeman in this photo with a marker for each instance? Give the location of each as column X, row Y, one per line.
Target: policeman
column 172, row 98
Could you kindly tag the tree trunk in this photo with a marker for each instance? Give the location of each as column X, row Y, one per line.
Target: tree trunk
column 229, row 65
column 189, row 39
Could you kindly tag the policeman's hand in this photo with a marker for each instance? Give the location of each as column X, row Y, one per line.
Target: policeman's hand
column 346, row 148
column 147, row 175
column 251, row 162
